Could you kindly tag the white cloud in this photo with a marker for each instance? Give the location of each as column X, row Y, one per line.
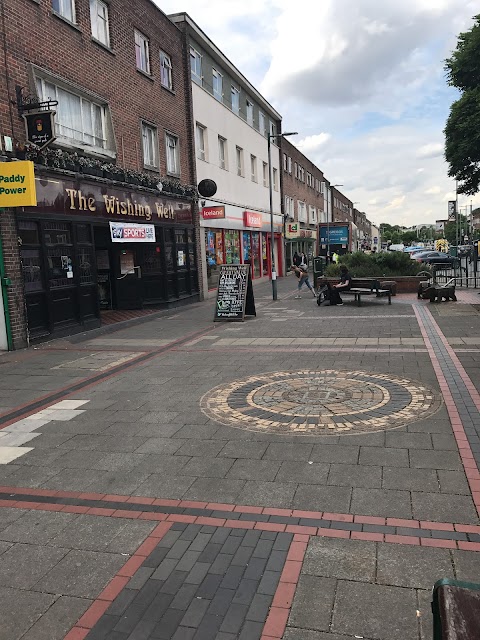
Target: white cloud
column 433, row 191
column 432, row 150
column 312, row 143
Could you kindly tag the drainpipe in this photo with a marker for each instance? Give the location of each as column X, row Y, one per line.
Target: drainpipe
column 4, row 284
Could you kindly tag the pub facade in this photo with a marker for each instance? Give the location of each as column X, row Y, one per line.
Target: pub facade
column 91, row 246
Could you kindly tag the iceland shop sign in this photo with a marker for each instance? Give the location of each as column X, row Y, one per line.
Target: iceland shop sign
column 337, row 235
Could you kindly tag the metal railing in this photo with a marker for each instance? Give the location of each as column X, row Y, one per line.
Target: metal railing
column 465, row 273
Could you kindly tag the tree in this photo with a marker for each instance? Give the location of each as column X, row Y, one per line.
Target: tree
column 409, row 236
column 450, row 232
column 462, row 133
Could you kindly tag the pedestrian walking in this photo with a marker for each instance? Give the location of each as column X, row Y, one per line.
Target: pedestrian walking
column 302, row 274
column 335, row 257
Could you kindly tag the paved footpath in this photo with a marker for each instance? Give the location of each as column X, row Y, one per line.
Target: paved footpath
column 306, row 475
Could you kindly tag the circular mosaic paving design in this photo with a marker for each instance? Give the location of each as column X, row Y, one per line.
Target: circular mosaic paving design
column 326, row 402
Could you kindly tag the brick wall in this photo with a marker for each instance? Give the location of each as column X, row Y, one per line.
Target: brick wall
column 297, row 188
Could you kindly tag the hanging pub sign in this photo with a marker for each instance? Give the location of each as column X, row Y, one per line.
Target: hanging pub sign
column 235, row 293
column 40, row 127
column 452, row 210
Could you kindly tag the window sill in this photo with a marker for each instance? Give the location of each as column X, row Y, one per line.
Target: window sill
column 145, row 74
column 173, row 175
column 149, row 167
column 103, row 46
column 70, row 145
column 168, row 89
column 73, row 25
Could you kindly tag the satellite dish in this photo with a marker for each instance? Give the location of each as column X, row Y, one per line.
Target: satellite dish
column 207, row 188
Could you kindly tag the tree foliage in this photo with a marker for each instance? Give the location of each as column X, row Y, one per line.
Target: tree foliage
column 384, row 264
column 462, row 131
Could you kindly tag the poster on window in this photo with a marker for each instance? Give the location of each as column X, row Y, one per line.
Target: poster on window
column 131, row 232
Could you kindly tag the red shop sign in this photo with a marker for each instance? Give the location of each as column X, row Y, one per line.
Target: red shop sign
column 210, row 213
column 251, row 219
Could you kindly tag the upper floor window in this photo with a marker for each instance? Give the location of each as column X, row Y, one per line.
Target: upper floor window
column 273, row 129
column 142, row 52
column 250, row 113
column 166, row 70
column 77, row 118
column 284, row 161
column 265, row 174
column 289, row 165
column 150, row 146
column 253, row 168
column 235, row 93
column 173, row 164
column 274, row 180
column 99, row 20
column 201, row 142
column 239, row 154
column 261, row 122
column 196, row 65
column 217, row 84
column 302, row 212
column 64, row 8
column 222, row 152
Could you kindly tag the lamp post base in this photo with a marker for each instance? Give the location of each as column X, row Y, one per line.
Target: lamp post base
column 274, row 286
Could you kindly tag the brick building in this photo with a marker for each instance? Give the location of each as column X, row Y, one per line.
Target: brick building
column 303, row 188
column 123, row 154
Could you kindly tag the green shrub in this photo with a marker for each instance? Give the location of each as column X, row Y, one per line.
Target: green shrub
column 377, row 265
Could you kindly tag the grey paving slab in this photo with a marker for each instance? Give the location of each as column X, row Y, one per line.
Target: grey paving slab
column 385, row 457
column 308, row 610
column 20, row 610
column 350, row 475
column 270, row 494
column 249, row 450
column 164, row 486
column 411, row 566
column 375, row 611
column 208, row 467
column 289, row 451
column 467, row 565
column 410, row 479
column 81, row 573
column 443, row 508
column 319, row 498
column 381, row 502
column 254, row 469
column 435, row 460
column 453, row 482
column 160, row 445
column 43, row 525
column 58, row 619
column 403, row 440
column 214, row 490
column 303, row 472
column 341, row 559
column 342, row 454
column 304, row 634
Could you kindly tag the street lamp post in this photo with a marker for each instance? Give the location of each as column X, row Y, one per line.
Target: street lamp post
column 270, row 193
column 330, row 213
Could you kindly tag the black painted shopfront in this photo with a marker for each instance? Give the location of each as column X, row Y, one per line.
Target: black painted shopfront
column 88, row 247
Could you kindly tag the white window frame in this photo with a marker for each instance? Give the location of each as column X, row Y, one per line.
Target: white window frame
column 284, row 161
column 96, row 17
column 289, row 165
column 235, row 98
column 166, row 75
column 289, row 207
column 81, row 136
column 275, row 179
column 196, row 65
column 272, row 129
column 261, row 123
column 312, row 215
column 142, row 45
column 66, row 9
column 216, row 75
column 239, row 161
column 201, row 141
column 222, row 153
column 173, row 170
column 296, row 170
column 150, row 134
column 253, row 168
column 265, row 174
column 302, row 211
column 250, row 113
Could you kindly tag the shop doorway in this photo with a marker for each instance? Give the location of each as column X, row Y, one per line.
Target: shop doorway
column 128, row 278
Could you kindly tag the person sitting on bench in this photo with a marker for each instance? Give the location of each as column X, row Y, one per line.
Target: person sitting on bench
column 345, row 283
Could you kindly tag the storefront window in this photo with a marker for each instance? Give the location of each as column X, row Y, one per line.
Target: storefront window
column 214, row 253
column 152, row 259
column 264, row 254
column 232, row 247
column 57, row 233
column 247, row 246
column 181, row 249
column 85, row 258
column 256, row 254
column 32, row 269
column 191, row 249
column 169, row 249
column 60, row 266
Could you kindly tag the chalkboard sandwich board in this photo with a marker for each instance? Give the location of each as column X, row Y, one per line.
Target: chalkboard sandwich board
column 235, row 294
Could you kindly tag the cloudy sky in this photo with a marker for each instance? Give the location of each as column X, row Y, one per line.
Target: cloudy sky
column 363, row 83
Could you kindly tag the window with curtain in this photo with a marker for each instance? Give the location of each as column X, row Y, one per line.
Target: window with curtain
column 142, row 52
column 99, row 21
column 173, row 165
column 64, row 8
column 77, row 118
column 166, row 70
column 150, row 146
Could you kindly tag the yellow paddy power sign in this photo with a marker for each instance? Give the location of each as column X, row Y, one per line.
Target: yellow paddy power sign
column 17, row 184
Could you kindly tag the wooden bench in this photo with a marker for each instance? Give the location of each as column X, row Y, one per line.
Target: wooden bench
column 456, row 610
column 374, row 290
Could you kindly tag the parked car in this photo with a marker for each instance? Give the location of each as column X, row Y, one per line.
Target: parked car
column 422, row 252
column 437, row 257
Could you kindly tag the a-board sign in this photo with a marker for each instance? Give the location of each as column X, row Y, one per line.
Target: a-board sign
column 235, row 293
